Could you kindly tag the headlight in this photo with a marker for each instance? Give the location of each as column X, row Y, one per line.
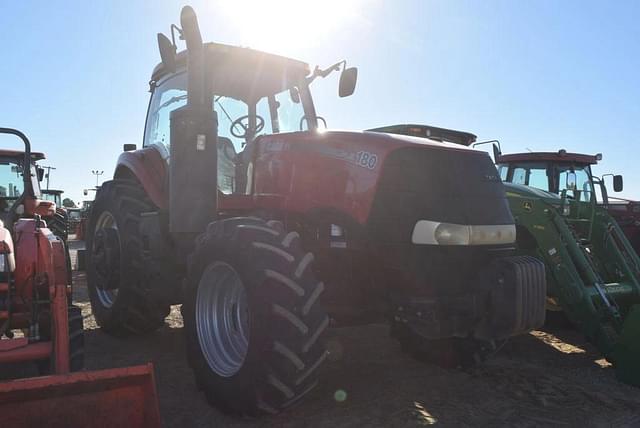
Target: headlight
column 452, row 234
column 436, row 233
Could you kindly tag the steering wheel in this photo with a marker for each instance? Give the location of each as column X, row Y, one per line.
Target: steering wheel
column 245, row 128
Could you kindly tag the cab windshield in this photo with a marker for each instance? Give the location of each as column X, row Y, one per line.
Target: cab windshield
column 53, row 197
column 286, row 109
column 12, row 184
column 552, row 178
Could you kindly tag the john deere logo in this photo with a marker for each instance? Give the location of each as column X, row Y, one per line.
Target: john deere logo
column 527, row 206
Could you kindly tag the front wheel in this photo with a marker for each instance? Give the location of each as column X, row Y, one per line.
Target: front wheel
column 253, row 318
column 116, row 276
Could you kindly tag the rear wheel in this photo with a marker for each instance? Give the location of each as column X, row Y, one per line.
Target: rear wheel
column 116, row 275
column 252, row 317
column 59, row 224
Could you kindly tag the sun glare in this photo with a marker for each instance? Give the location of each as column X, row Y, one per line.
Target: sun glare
column 285, row 26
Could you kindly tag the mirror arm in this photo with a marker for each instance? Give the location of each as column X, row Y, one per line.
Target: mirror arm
column 487, row 142
column 175, row 28
column 317, row 72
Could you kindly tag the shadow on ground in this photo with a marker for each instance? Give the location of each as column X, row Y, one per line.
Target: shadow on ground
column 549, row 378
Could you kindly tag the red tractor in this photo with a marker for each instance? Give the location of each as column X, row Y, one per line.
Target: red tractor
column 627, row 214
column 267, row 246
column 39, row 325
column 11, row 190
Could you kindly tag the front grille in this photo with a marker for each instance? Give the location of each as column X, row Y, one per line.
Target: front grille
column 440, row 185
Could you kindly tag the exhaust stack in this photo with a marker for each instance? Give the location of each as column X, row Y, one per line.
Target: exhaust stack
column 194, row 129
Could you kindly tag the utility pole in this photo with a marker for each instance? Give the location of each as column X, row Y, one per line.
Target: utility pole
column 97, row 174
column 48, row 168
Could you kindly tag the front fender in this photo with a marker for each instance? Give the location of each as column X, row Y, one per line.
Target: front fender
column 149, row 168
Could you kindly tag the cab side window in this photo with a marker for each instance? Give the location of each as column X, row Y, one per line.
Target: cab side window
column 503, row 170
column 169, row 95
column 519, row 176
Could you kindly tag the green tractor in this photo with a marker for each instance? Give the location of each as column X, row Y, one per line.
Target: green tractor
column 593, row 271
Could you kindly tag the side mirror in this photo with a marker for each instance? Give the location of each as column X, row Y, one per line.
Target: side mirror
column 496, row 153
column 167, row 53
column 348, row 79
column 294, row 94
column 571, row 180
column 41, row 174
column 617, row 183
column 128, row 147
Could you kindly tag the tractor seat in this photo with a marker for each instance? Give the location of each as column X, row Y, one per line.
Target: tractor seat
column 227, row 158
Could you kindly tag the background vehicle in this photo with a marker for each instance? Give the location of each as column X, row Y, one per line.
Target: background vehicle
column 593, row 270
column 52, row 195
column 299, row 228
column 11, row 188
column 59, row 224
column 546, row 169
column 39, row 325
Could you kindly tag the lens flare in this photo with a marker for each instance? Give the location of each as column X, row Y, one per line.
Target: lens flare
column 287, row 25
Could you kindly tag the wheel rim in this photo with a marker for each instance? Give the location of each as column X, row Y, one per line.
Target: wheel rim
column 106, row 255
column 222, row 319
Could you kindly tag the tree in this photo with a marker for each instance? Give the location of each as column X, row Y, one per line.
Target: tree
column 68, row 203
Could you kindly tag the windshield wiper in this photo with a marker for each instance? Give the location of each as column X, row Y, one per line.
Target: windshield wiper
column 217, row 100
column 171, row 101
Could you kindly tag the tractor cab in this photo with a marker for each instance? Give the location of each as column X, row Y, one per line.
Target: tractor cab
column 20, row 195
column 557, row 172
column 54, row 196
column 252, row 94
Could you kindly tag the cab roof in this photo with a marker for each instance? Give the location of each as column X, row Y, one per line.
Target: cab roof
column 560, row 156
column 238, row 58
column 36, row 156
column 431, row 132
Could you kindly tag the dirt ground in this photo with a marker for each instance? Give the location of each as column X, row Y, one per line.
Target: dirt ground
column 541, row 379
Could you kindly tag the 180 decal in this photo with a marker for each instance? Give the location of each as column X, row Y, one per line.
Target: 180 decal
column 366, row 159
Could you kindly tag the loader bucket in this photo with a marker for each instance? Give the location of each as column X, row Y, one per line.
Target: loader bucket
column 626, row 353
column 122, row 397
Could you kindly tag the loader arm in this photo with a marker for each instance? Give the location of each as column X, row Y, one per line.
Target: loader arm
column 595, row 280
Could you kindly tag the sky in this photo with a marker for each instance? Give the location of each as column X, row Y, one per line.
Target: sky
column 536, row 75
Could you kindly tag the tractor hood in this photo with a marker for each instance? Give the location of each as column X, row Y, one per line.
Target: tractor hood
column 522, row 191
column 374, row 176
column 348, row 145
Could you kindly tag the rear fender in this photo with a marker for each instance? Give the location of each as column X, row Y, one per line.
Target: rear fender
column 149, row 168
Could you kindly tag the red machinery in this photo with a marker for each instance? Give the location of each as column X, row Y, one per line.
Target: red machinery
column 39, row 325
column 300, row 229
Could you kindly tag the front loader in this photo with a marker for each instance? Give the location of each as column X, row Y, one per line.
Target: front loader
column 593, row 269
column 268, row 229
column 40, row 327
